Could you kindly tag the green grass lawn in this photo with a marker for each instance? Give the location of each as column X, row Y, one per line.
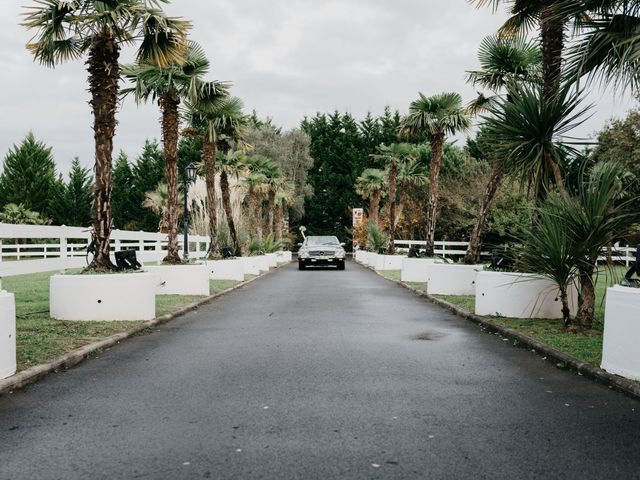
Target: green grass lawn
column 41, row 339
column 586, row 346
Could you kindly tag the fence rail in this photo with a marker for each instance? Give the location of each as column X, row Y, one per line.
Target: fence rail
column 43, row 248
column 620, row 254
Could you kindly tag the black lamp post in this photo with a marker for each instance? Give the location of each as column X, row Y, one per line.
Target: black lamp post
column 190, row 177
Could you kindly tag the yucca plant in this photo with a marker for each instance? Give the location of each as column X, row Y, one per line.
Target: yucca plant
column 270, row 245
column 376, row 238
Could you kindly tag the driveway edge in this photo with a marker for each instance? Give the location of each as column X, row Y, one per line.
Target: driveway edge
column 74, row 357
column 563, row 360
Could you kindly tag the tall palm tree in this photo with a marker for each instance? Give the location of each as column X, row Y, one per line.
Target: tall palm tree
column 211, row 117
column 410, row 174
column 392, row 156
column 158, row 202
column 285, row 195
column 371, row 185
column 275, row 177
column 503, row 61
column 435, row 117
column 169, row 85
column 232, row 164
column 259, row 186
column 552, row 22
column 68, row 30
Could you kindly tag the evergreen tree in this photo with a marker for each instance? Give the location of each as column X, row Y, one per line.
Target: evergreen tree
column 147, row 173
column 70, row 203
column 122, row 205
column 28, row 176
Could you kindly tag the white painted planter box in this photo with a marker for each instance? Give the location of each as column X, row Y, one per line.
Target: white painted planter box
column 7, row 334
column 181, row 279
column 229, row 269
column 358, row 256
column 115, row 296
column 520, row 295
column 272, row 259
column 389, row 262
column 283, row 257
column 264, row 263
column 621, row 342
column 447, row 279
column 416, row 269
column 370, row 259
column 251, row 265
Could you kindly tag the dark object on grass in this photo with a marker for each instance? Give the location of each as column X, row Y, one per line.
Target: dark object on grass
column 227, row 252
column 629, row 281
column 414, row 252
column 500, row 260
column 126, row 260
column 382, row 251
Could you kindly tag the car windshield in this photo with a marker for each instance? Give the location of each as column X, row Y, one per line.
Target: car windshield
column 311, row 241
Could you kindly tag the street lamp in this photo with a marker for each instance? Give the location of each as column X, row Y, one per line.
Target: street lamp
column 189, row 178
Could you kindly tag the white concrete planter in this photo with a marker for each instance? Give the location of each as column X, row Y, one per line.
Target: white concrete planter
column 448, row 279
column 7, row 334
column 181, row 279
column 416, row 269
column 264, row 263
column 228, row 269
column 283, row 257
column 272, row 259
column 520, row 295
column 116, row 296
column 370, row 259
column 621, row 342
column 358, row 256
column 389, row 262
column 251, row 265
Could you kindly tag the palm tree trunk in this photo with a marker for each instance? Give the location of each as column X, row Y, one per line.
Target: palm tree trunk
column 401, row 204
column 272, row 207
column 432, row 208
column 104, row 74
column 374, row 206
column 586, row 309
column 552, row 40
column 256, row 211
column 473, row 252
column 279, row 221
column 566, row 313
column 393, row 179
column 170, row 128
column 209, row 157
column 226, row 202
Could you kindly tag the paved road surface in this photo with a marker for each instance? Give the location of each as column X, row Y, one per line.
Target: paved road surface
column 318, row 375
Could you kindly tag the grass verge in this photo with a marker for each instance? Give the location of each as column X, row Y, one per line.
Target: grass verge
column 586, row 346
column 40, row 339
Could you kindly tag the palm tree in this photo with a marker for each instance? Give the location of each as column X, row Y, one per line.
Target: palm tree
column 503, row 61
column 371, row 186
column 274, row 175
column 232, row 164
column 259, row 185
column 435, row 117
column 285, row 195
column 525, row 131
column 68, row 30
column 410, row 174
column 169, row 85
column 19, row 214
column 609, row 46
column 393, row 155
column 158, row 202
column 211, row 117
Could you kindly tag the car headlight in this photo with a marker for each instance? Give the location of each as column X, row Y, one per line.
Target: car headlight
column 303, row 254
column 340, row 254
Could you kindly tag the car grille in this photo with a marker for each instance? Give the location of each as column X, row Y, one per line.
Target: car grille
column 322, row 253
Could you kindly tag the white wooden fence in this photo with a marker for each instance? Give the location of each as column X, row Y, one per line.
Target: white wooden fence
column 620, row 254
column 37, row 248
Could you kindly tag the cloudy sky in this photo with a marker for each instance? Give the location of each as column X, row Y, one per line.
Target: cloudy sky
column 286, row 59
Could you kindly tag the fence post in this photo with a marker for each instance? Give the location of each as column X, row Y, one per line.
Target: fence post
column 1, row 252
column 63, row 248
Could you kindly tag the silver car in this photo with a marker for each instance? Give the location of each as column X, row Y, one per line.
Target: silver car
column 321, row 251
